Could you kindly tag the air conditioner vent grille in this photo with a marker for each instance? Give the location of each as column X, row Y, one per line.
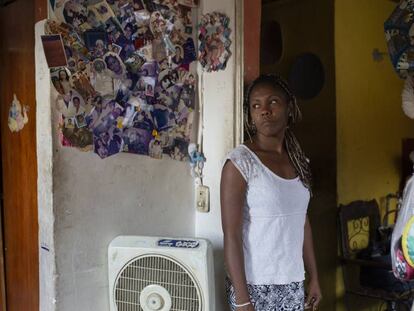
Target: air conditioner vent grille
column 159, row 270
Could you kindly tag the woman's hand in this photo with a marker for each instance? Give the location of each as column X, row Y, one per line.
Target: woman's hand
column 314, row 290
column 314, row 295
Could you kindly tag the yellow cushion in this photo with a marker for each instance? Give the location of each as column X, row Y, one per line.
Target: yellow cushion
column 358, row 234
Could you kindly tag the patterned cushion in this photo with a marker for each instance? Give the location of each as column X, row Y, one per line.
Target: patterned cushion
column 358, row 234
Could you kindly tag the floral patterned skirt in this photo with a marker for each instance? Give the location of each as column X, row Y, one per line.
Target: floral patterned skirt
column 289, row 297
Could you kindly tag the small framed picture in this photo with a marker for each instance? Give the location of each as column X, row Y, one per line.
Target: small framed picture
column 60, row 77
column 102, row 10
column 80, row 120
column 115, row 48
column 149, row 90
column 69, row 123
column 114, row 64
column 96, row 42
column 98, row 65
column 54, row 51
column 138, row 5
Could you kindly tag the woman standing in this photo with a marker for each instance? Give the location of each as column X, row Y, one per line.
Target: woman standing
column 265, row 192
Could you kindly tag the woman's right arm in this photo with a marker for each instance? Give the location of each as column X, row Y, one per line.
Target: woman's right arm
column 232, row 198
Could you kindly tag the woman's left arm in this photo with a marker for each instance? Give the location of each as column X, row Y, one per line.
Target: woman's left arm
column 314, row 290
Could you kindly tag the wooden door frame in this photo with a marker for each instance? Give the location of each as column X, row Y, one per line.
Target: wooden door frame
column 2, row 271
column 2, row 265
column 40, row 12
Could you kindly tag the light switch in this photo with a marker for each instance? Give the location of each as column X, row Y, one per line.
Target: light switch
column 203, row 199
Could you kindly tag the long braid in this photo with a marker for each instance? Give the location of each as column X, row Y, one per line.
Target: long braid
column 293, row 148
column 299, row 159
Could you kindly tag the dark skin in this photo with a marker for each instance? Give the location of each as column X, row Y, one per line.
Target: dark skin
column 269, row 111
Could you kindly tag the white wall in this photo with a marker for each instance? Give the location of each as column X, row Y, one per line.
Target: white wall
column 47, row 255
column 97, row 200
column 219, row 118
column 84, row 202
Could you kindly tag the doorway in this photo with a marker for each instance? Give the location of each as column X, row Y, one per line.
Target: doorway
column 2, row 276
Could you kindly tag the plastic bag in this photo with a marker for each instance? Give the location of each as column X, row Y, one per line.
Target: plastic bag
column 400, row 265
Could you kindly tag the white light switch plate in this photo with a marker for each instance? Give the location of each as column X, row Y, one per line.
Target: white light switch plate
column 203, row 199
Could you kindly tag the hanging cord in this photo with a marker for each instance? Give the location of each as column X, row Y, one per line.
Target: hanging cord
column 200, row 136
column 195, row 150
column 197, row 158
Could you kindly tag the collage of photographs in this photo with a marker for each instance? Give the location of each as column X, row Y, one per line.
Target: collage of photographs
column 125, row 74
column 214, row 41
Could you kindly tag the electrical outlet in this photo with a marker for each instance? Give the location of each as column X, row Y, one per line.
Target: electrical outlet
column 203, row 199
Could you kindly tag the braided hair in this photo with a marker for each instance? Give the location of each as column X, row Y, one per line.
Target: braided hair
column 295, row 152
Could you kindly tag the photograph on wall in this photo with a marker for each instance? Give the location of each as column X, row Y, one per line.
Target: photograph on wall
column 129, row 83
column 189, row 3
column 214, row 41
column 60, row 78
column 54, row 51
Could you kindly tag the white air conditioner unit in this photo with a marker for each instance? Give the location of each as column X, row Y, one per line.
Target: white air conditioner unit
column 160, row 274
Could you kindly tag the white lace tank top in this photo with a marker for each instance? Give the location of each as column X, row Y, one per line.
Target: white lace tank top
column 273, row 222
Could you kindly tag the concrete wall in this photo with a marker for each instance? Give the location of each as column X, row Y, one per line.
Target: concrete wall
column 307, row 26
column 370, row 121
column 95, row 200
column 219, row 119
column 84, row 202
column 46, row 217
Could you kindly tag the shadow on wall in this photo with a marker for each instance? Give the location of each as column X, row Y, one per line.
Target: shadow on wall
column 297, row 41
